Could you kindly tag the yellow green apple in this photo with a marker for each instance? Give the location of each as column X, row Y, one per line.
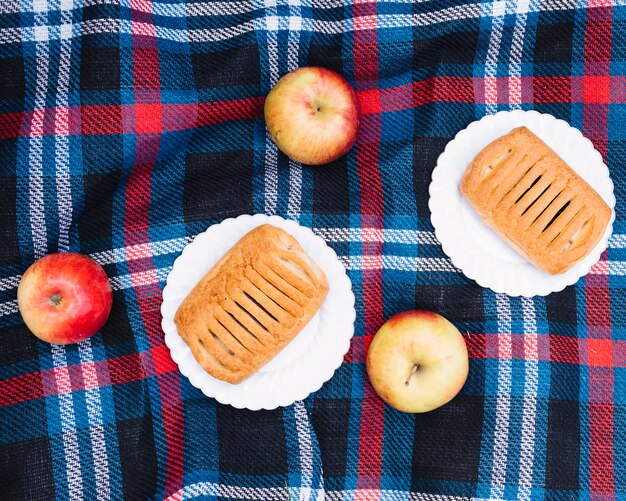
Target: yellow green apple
column 417, row 361
column 313, row 115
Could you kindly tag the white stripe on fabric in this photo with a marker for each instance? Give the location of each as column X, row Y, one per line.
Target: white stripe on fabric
column 10, row 7
column 61, row 129
column 338, row 4
column 381, row 21
column 408, row 237
column 68, row 422
column 418, row 496
column 138, row 279
column 264, row 24
column 355, row 262
column 399, row 263
column 202, row 489
column 503, row 403
column 39, row 235
column 375, row 235
column 271, row 150
column 497, row 10
column 35, row 193
column 114, row 256
column 295, row 190
column 515, row 57
column 216, row 8
column 269, row 23
column 390, row 494
column 190, row 10
column 216, row 35
column 271, row 176
column 293, row 46
column 9, row 308
column 615, row 268
column 140, row 251
column 11, row 35
column 94, row 414
column 531, row 384
column 63, row 184
column 491, row 63
column 389, row 21
column 547, row 5
column 35, row 160
column 617, row 241
column 305, row 450
column 64, row 202
column 9, row 283
column 469, row 11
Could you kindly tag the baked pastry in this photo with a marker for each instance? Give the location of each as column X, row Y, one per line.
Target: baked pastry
column 251, row 304
column 524, row 191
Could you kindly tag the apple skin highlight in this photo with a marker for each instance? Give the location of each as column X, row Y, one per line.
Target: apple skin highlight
column 313, row 115
column 64, row 298
column 417, row 361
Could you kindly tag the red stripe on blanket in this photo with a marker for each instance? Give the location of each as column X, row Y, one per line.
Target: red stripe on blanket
column 130, row 119
column 595, row 124
column 10, row 125
column 365, row 46
column 20, row 389
column 113, row 119
column 148, row 125
column 601, row 386
column 114, row 371
column 137, row 366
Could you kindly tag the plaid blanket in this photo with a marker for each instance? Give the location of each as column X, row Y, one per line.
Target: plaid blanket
column 129, row 126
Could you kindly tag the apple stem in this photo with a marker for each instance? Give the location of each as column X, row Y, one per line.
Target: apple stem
column 413, row 371
column 56, row 299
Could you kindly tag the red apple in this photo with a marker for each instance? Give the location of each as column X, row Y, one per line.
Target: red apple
column 64, row 297
column 313, row 115
column 417, row 361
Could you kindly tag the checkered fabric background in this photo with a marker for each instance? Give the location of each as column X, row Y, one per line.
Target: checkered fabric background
column 129, row 126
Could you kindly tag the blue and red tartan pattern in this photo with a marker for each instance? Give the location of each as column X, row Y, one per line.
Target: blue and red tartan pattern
column 129, row 126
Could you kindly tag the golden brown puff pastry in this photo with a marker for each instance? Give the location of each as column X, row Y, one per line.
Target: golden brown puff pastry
column 524, row 191
column 251, row 304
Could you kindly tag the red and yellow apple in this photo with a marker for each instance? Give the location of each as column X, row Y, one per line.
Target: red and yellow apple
column 64, row 297
column 417, row 361
column 313, row 115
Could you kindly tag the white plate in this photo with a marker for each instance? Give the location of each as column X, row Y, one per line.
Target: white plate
column 476, row 249
column 307, row 362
